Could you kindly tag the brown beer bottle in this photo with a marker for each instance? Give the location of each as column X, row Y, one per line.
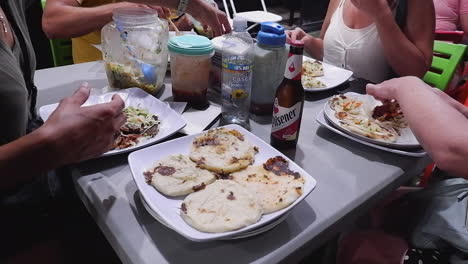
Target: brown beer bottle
column 289, row 101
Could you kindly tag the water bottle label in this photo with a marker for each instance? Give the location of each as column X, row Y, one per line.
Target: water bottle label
column 286, row 121
column 293, row 69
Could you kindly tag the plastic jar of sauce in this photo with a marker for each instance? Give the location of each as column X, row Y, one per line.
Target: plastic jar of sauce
column 190, row 68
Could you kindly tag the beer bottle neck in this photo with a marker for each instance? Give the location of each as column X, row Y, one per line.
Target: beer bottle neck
column 293, row 69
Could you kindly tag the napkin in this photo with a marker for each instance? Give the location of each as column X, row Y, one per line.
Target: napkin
column 199, row 120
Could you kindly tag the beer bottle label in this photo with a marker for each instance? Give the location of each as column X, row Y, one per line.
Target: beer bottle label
column 285, row 124
column 293, row 69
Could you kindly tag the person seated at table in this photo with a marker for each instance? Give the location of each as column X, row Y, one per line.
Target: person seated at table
column 30, row 150
column 440, row 124
column 376, row 39
column 82, row 20
column 452, row 15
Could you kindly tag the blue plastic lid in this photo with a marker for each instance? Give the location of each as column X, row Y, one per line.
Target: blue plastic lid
column 191, row 45
column 271, row 34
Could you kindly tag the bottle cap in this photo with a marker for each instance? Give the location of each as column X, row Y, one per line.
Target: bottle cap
column 239, row 24
column 297, row 43
column 271, row 34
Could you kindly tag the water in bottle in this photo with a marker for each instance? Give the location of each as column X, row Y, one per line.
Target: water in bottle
column 237, row 67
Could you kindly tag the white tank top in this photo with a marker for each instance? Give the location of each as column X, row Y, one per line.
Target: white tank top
column 358, row 50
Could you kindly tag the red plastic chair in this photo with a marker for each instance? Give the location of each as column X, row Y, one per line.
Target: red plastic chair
column 455, row 37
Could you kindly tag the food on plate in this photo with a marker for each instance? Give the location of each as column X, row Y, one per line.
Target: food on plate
column 124, row 76
column 141, row 124
column 383, row 123
column 178, row 175
column 312, row 68
column 312, row 82
column 390, row 114
column 220, row 207
column 273, row 184
column 369, row 128
column 222, row 150
column 348, row 105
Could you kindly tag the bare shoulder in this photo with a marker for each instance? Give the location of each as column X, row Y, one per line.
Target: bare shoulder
column 332, row 6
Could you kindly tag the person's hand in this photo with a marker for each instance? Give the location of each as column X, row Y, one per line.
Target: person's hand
column 209, row 15
column 80, row 133
column 184, row 23
column 374, row 8
column 388, row 90
column 296, row 34
column 163, row 12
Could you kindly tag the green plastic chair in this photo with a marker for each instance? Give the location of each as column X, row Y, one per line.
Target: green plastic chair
column 447, row 57
column 61, row 49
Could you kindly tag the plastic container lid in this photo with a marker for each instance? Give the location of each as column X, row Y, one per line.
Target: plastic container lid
column 271, row 34
column 192, row 45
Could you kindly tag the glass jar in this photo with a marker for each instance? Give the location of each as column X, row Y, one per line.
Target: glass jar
column 134, row 47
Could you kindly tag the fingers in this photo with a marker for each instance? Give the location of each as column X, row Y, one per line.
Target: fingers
column 297, row 34
column 117, row 104
column 119, row 121
column 225, row 22
column 216, row 26
column 288, row 36
column 79, row 97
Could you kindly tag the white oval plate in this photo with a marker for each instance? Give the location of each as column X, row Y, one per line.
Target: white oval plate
column 168, row 208
column 171, row 122
column 406, row 140
column 247, row 234
column 333, row 77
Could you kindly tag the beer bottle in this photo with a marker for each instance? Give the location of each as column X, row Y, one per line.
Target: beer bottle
column 289, row 101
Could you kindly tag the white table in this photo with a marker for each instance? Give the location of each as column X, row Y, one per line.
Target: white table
column 351, row 177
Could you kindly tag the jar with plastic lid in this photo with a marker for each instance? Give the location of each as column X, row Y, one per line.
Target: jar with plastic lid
column 134, row 47
column 270, row 61
column 190, row 68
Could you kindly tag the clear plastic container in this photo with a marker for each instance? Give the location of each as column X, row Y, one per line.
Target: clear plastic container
column 270, row 61
column 134, row 47
column 237, row 68
column 190, row 68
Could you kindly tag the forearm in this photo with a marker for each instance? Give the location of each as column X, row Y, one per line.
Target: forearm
column 405, row 58
column 314, row 47
column 25, row 158
column 61, row 20
column 164, row 3
column 439, row 127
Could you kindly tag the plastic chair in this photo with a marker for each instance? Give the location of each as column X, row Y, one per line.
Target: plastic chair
column 455, row 37
column 61, row 49
column 255, row 16
column 447, row 57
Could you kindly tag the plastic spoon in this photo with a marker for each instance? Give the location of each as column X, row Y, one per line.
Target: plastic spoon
column 148, row 70
column 175, row 28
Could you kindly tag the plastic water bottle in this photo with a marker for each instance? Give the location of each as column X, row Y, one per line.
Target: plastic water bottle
column 237, row 68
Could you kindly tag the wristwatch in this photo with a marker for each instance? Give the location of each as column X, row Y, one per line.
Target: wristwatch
column 183, row 4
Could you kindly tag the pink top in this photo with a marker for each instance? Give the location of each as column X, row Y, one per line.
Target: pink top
column 448, row 13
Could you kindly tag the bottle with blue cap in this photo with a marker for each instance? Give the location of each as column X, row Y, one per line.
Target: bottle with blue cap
column 237, row 68
column 270, row 60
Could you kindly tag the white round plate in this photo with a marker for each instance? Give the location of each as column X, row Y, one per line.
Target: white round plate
column 246, row 234
column 406, row 140
column 333, row 77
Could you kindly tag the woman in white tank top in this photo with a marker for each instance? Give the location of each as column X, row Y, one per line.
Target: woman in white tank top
column 363, row 36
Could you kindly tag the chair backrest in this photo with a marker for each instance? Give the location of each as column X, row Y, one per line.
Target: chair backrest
column 234, row 10
column 451, row 36
column 61, row 49
column 447, row 57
